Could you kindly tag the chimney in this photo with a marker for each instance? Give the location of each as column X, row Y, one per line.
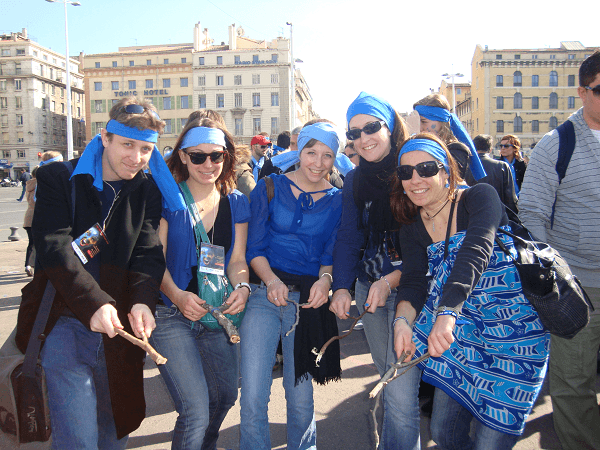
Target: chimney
column 24, row 33
column 232, row 37
column 197, row 37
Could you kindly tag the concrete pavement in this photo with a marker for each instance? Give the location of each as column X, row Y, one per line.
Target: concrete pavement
column 342, row 409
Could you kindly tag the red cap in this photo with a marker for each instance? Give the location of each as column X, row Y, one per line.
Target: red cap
column 260, row 139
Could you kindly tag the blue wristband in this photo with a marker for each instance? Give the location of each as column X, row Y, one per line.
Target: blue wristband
column 448, row 312
column 400, row 318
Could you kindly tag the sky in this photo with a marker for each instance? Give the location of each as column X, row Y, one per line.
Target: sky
column 395, row 49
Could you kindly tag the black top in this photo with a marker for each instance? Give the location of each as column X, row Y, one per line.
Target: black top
column 479, row 212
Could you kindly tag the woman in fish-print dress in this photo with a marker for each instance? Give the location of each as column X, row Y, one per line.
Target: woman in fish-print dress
column 460, row 299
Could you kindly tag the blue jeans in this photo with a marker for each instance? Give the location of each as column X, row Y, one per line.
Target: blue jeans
column 263, row 325
column 451, row 424
column 401, row 415
column 78, row 394
column 201, row 375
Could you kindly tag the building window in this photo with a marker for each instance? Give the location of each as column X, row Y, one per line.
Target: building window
column 238, row 100
column 114, row 64
column 52, row 89
column 166, row 102
column 202, row 101
column 148, row 62
column 19, row 119
column 168, row 126
column 17, row 68
column 62, row 93
column 274, row 78
column 219, row 60
column 571, row 80
column 220, row 80
column 43, row 104
column 62, row 108
column 97, row 86
column 183, row 122
column 21, row 153
column 256, row 125
column 274, row 99
column 166, row 82
column 237, row 80
column 274, row 57
column 149, row 84
column 19, row 102
column 185, row 103
column 535, row 126
column 114, row 101
column 131, row 64
column 535, row 80
column 237, row 59
column 518, row 125
column 239, row 127
column 5, row 121
column 571, row 56
column 6, row 153
column 256, row 78
column 499, row 102
column 201, row 60
column 3, row 102
column 517, row 56
column 458, row 91
column 274, row 125
column 498, row 56
column 202, row 81
column 6, row 52
column 220, row 100
column 183, row 82
column 517, row 79
column 552, row 56
column 518, row 101
column 18, row 85
column 98, row 106
column 132, row 84
column 553, row 78
column 53, row 106
column 499, row 126
column 2, row 85
column 534, row 56
column 256, row 99
column 553, row 123
column 571, row 103
column 553, row 101
column 114, row 85
column 43, row 87
column 166, row 61
column 255, row 59
column 535, row 103
column 97, row 65
column 183, row 60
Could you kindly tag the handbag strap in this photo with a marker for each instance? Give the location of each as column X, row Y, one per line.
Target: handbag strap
column 201, row 235
column 448, row 228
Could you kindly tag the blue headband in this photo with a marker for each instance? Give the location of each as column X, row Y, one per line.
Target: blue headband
column 203, row 135
column 322, row 132
column 90, row 163
column 55, row 159
column 427, row 146
column 443, row 115
column 373, row 106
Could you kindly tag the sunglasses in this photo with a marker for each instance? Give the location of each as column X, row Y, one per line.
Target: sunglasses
column 369, row 128
column 595, row 89
column 264, row 147
column 506, row 145
column 425, row 169
column 139, row 109
column 199, row 158
column 351, row 155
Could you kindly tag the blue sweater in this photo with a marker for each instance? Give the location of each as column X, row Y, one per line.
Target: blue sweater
column 271, row 231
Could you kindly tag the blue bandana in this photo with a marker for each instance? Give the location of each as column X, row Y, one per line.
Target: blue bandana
column 90, row 163
column 286, row 160
column 203, row 135
column 321, row 131
column 55, row 159
column 443, row 115
column 343, row 164
column 427, row 146
column 373, row 106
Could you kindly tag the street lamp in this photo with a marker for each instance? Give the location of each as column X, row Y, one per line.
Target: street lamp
column 293, row 81
column 68, row 79
column 452, row 75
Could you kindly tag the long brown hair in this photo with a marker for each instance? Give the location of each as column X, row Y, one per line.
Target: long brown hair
column 226, row 181
column 403, row 208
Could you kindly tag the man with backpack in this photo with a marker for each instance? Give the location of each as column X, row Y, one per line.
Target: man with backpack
column 560, row 205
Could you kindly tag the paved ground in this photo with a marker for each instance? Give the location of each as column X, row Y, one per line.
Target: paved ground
column 342, row 409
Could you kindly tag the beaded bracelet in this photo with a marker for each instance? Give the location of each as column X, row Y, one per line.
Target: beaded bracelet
column 448, row 312
column 388, row 283
column 275, row 280
column 397, row 319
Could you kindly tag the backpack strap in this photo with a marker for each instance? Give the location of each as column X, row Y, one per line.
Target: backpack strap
column 566, row 146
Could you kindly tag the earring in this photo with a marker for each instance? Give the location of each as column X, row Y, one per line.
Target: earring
column 404, row 191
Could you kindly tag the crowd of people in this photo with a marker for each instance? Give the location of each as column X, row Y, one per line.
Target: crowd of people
column 402, row 222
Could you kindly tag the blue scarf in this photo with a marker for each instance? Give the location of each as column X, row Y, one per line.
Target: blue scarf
column 427, row 146
column 90, row 163
column 443, row 115
column 203, row 135
column 373, row 106
column 322, row 132
column 55, row 159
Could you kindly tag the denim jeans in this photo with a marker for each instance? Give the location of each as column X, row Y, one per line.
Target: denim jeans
column 201, row 375
column 451, row 424
column 78, row 395
column 263, row 325
column 401, row 415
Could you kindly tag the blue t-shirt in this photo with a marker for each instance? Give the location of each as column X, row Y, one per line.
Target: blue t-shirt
column 297, row 248
column 181, row 245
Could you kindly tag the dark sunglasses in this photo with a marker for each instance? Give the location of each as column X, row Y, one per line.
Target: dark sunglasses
column 595, row 89
column 264, row 147
column 506, row 145
column 138, row 109
column 351, row 155
column 425, row 169
column 199, row 158
column 369, row 128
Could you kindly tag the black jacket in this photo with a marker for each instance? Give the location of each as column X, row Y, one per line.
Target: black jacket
column 500, row 177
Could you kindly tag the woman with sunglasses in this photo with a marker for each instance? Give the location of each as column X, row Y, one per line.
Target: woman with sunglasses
column 365, row 252
column 510, row 152
column 460, row 299
column 291, row 236
column 201, row 373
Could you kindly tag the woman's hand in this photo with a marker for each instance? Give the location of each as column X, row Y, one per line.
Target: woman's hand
column 189, row 305
column 340, row 303
column 403, row 340
column 237, row 301
column 441, row 336
column 319, row 293
column 378, row 295
column 141, row 320
column 277, row 293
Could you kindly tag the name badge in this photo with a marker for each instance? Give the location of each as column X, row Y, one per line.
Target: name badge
column 212, row 259
column 89, row 244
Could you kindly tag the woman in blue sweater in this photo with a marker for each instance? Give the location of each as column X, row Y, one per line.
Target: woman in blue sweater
column 290, row 245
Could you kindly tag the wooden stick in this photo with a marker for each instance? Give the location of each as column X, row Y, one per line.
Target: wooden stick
column 228, row 326
column 297, row 316
column 321, row 352
column 143, row 344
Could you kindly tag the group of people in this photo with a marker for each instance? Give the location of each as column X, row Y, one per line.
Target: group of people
column 412, row 233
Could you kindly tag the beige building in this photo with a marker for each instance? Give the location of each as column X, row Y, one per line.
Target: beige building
column 463, row 90
column 33, row 103
column 525, row 92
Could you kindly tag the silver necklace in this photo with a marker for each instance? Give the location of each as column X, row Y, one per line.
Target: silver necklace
column 432, row 217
